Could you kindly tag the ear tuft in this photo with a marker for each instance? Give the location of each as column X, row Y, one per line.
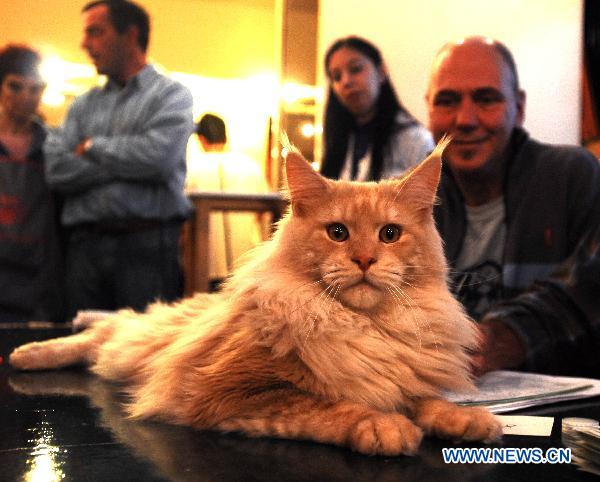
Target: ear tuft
column 420, row 185
column 304, row 184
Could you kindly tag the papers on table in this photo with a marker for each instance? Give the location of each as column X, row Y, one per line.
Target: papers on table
column 526, row 425
column 582, row 435
column 504, row 391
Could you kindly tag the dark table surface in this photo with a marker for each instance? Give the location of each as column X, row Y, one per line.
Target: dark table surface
column 69, row 426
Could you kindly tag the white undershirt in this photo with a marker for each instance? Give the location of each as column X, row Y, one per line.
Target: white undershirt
column 485, row 235
column 364, row 164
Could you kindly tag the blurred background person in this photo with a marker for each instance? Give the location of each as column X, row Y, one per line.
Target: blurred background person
column 30, row 260
column 213, row 167
column 119, row 159
column 367, row 133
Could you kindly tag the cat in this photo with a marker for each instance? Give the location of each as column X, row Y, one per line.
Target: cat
column 340, row 329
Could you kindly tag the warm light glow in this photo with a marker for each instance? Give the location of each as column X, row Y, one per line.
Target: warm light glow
column 65, row 79
column 44, row 466
column 59, row 71
column 244, row 104
column 308, row 129
column 293, row 92
column 53, row 97
column 248, row 106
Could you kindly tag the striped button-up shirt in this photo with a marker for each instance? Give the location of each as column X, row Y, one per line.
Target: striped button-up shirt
column 135, row 166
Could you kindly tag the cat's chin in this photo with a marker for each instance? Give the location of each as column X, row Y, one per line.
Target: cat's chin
column 362, row 296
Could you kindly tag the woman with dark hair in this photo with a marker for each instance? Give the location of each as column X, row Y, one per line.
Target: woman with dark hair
column 30, row 274
column 368, row 134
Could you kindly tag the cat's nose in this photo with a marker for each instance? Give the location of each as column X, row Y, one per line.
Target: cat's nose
column 363, row 262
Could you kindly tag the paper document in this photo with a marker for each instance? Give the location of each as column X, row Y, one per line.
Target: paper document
column 583, row 437
column 526, row 425
column 504, row 391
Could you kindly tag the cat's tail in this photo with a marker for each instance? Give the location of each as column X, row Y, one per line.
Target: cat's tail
column 56, row 353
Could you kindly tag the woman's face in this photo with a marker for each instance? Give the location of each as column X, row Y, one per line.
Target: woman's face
column 356, row 81
column 20, row 96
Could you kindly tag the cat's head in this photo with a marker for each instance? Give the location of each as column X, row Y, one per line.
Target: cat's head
column 368, row 243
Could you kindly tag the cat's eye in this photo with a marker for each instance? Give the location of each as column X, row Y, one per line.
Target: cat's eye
column 390, row 233
column 337, row 232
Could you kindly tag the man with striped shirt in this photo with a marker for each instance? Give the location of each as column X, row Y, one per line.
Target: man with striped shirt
column 119, row 160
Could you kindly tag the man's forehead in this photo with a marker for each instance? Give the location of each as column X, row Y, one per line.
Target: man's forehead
column 96, row 14
column 468, row 69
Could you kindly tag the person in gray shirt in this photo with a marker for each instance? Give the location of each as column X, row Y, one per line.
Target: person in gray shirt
column 119, row 160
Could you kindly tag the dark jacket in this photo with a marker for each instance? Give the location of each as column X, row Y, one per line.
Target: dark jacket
column 31, row 281
column 552, row 199
column 558, row 318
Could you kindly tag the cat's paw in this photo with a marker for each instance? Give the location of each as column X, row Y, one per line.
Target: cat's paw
column 447, row 420
column 31, row 356
column 385, row 434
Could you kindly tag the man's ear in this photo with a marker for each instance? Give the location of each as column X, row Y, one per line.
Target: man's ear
column 521, row 99
column 133, row 34
column 203, row 142
column 383, row 73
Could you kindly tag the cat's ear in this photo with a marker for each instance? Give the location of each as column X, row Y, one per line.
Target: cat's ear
column 420, row 185
column 305, row 186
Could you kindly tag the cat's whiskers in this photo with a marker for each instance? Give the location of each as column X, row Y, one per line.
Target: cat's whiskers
column 328, row 291
column 310, row 283
column 436, row 343
column 428, row 270
column 337, row 290
column 480, row 279
column 396, row 297
column 309, row 299
column 405, row 282
column 312, row 316
column 398, row 292
column 332, row 272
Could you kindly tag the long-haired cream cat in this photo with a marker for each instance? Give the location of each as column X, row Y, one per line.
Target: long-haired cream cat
column 340, row 330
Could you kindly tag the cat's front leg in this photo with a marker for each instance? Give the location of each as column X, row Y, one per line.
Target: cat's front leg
column 54, row 353
column 447, row 420
column 340, row 423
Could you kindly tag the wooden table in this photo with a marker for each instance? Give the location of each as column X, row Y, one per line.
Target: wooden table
column 196, row 231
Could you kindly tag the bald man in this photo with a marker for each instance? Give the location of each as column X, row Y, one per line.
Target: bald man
column 512, row 211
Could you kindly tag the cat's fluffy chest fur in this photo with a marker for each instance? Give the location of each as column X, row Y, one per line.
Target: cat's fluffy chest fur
column 340, row 330
column 385, row 359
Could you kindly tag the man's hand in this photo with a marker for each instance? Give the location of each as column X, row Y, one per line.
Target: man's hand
column 500, row 349
column 82, row 147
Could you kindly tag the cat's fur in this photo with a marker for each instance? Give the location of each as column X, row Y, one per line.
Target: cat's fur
column 347, row 342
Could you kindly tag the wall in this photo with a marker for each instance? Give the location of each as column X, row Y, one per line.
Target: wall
column 224, row 38
column 300, row 41
column 224, row 48
column 545, row 37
